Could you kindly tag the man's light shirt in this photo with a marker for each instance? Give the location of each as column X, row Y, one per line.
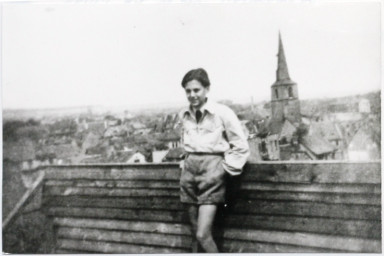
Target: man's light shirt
column 219, row 131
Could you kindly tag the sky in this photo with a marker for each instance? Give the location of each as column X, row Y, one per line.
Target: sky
column 66, row 54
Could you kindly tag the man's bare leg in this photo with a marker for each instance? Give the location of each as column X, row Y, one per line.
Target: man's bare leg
column 192, row 213
column 204, row 227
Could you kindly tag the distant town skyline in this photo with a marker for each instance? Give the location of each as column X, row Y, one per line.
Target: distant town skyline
column 68, row 55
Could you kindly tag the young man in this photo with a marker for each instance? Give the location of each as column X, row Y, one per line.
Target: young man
column 215, row 144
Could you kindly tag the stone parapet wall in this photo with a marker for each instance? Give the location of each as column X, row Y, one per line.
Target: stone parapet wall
column 273, row 207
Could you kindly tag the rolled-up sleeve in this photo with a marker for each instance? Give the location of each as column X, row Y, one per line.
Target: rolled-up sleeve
column 237, row 155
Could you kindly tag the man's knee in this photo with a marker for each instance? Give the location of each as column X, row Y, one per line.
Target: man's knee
column 202, row 235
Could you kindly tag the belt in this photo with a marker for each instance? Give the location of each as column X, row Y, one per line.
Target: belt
column 205, row 153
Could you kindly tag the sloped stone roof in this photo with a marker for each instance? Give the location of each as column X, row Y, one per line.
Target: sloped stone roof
column 123, row 156
column 175, row 154
column 317, row 144
column 327, row 129
column 281, row 128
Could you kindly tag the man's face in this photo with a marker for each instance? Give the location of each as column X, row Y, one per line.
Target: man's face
column 196, row 93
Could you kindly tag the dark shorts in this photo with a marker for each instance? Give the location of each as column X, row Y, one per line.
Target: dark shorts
column 202, row 179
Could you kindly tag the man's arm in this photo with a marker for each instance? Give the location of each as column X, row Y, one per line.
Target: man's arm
column 179, row 126
column 237, row 155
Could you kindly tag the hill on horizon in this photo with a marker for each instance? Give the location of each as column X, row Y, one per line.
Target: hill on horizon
column 23, row 114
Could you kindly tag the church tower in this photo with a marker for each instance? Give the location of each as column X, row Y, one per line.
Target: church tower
column 285, row 99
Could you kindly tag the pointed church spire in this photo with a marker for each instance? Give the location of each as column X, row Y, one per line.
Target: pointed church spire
column 285, row 104
column 282, row 75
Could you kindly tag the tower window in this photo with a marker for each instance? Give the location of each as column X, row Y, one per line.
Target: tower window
column 263, row 146
column 277, row 93
column 290, row 92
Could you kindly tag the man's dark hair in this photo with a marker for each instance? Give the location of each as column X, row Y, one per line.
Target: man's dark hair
column 198, row 75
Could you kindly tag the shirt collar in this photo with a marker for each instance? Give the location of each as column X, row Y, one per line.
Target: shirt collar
column 208, row 106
